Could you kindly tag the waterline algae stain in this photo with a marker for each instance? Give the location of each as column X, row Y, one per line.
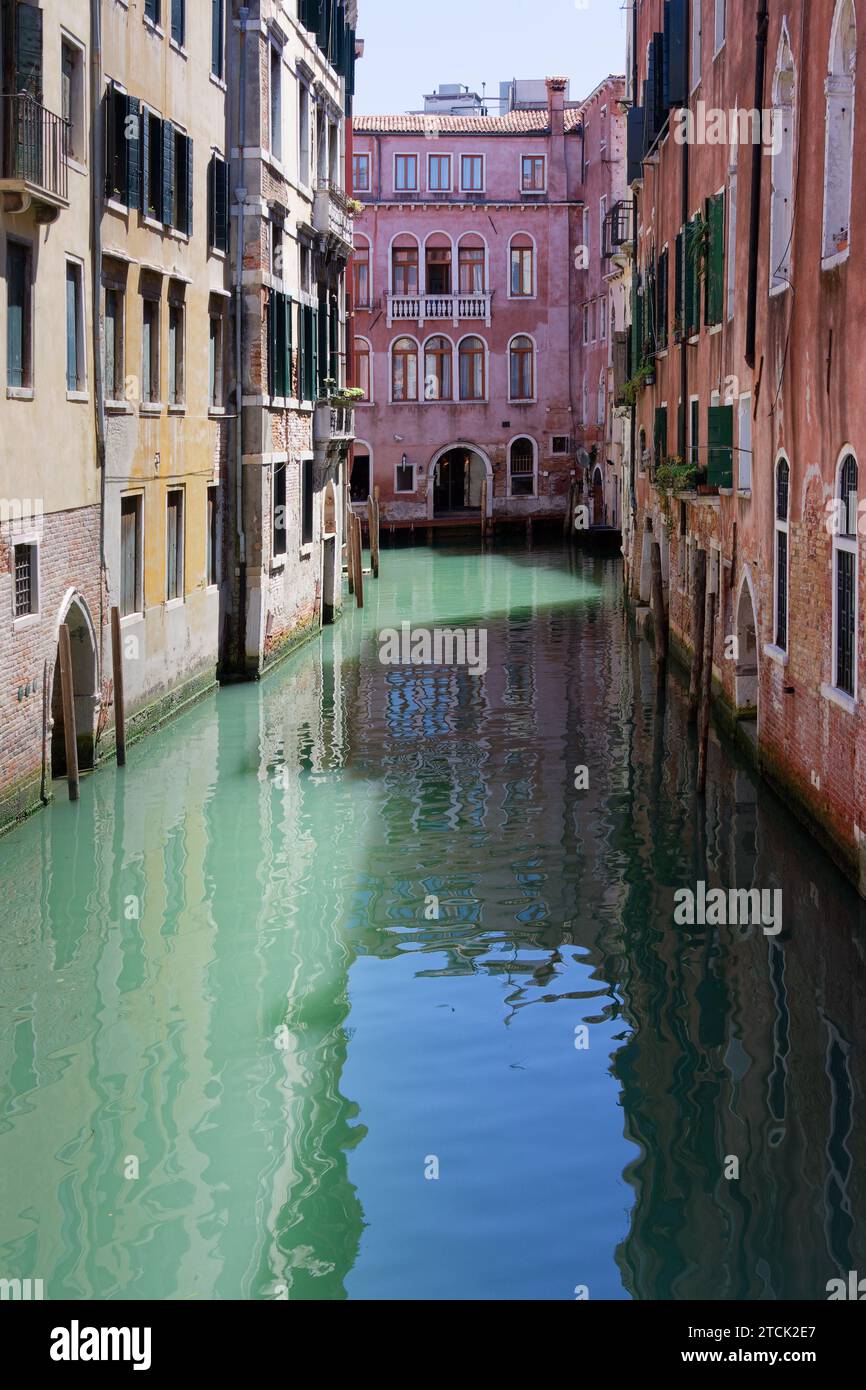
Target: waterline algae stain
column 366, row 981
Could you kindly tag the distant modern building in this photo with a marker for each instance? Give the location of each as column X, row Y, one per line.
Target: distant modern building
column 467, row 295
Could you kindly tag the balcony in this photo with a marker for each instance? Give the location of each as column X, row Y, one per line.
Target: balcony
column 34, row 161
column 332, row 215
column 618, row 229
column 419, row 308
column 333, row 428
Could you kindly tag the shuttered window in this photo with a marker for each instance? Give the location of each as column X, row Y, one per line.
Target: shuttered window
column 715, row 259
column 280, row 344
column 174, row 544
column 308, row 349
column 178, row 20
column 218, row 203
column 123, row 147
column 662, row 302
column 130, row 555
column 306, row 501
column 280, row 517
column 636, row 326
column 660, row 435
column 720, row 446
column 75, row 372
column 28, row 51
column 18, row 315
column 151, row 10
column 213, row 567
column 692, row 277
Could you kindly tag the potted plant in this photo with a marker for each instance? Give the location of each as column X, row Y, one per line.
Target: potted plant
column 644, row 376
column 672, row 476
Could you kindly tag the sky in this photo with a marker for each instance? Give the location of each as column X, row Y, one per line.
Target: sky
column 412, row 46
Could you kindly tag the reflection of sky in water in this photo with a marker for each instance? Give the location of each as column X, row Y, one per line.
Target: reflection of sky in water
column 270, row 867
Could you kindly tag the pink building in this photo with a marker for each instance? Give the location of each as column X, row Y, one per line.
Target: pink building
column 467, row 301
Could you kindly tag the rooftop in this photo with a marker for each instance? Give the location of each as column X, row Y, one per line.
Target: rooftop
column 527, row 122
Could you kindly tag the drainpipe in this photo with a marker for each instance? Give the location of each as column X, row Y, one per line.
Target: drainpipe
column 240, row 196
column 757, row 168
column 682, row 431
column 96, row 190
column 635, row 202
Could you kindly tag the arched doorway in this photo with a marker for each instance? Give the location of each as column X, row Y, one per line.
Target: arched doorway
column 457, row 477
column 746, row 673
column 329, row 553
column 598, row 498
column 82, row 643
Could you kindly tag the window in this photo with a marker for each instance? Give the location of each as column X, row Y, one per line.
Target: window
column 280, row 344
column 406, row 173
column 279, row 509
column 304, row 150
column 585, row 324
column 437, row 369
column 439, row 173
column 19, row 316
column 72, row 98
column 845, row 580
column 361, row 173
column 522, row 468
column 276, row 104
column 600, row 398
column 715, row 262
column 362, row 366
column 521, row 369
column 151, row 126
column 561, row 444
column 178, row 21
column 719, row 26
column 470, row 261
column 26, row 591
column 151, row 10
column 780, row 575
column 732, row 246
column 218, row 204
column 361, row 276
column 130, row 555
column 113, row 365
column 150, row 350
column 404, row 370
column 306, row 501
column 177, row 206
column 695, row 433
column 175, row 352
column 584, row 400
column 212, row 570
column 471, row 356
column 308, row 352
column 405, row 270
column 532, row 173
column 437, row 269
column 782, row 166
column 404, row 476
column 214, row 360
column 216, row 42
column 697, row 7
column 522, row 269
column 660, row 435
column 839, row 136
column 472, row 173
column 174, row 544
column 602, row 320
column 602, row 214
column 661, row 289
column 586, row 232
column 123, row 147
column 720, row 446
column 165, row 189
column 744, row 443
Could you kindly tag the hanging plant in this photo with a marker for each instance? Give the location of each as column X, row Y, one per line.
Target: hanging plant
column 698, row 245
column 671, row 477
column 644, row 376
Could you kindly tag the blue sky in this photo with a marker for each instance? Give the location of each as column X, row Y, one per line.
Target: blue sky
column 411, row 47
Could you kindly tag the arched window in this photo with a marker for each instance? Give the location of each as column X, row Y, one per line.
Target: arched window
column 521, row 284
column 782, row 195
column 470, row 259
column 600, row 398
column 845, row 580
column 472, row 383
column 362, row 366
column 521, row 369
column 404, row 269
column 521, row 468
column 780, row 574
column 437, row 264
column 404, row 370
column 839, row 132
column 437, row 369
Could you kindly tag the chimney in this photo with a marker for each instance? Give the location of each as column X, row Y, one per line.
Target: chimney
column 556, row 87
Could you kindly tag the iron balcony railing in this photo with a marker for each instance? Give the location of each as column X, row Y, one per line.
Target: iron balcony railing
column 618, row 228
column 35, row 146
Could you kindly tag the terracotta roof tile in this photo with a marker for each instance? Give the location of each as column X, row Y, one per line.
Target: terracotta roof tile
column 518, row 122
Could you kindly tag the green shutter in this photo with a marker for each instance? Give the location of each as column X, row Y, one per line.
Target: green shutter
column 720, row 442
column 662, row 301
column 272, row 344
column 168, row 210
column 132, row 136
column 715, row 266
column 315, row 383
column 636, row 327
column 211, row 201
column 187, row 211
column 660, row 435
column 28, row 50
column 287, row 340
column 679, row 286
column 145, row 162
column 692, row 278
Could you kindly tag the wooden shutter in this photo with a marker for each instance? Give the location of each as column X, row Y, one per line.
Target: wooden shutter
column 620, row 366
column 715, row 261
column 660, row 435
column 634, row 129
column 636, row 325
column 676, row 51
column 168, row 209
column 216, row 40
column 177, row 21
column 662, row 301
column 211, row 201
column 679, row 286
column 287, row 335
column 132, row 137
column 272, row 344
column 28, row 50
column 218, row 198
column 315, row 384
column 187, row 211
column 720, row 442
column 692, row 279
column 145, row 161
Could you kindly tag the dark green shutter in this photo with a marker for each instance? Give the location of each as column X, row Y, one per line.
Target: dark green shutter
column 272, row 344
column 168, row 134
column 660, row 435
column 221, row 204
column 177, row 21
column 715, row 264
column 28, row 51
column 720, row 442
column 145, row 162
column 692, row 279
column 216, row 41
column 211, row 201
column 662, row 301
column 132, row 137
column 316, row 382
column 189, row 187
column 679, row 285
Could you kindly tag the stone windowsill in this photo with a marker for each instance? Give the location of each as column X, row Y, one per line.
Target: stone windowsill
column 118, row 408
column 29, row 620
column 20, row 393
column 776, row 653
column 838, row 697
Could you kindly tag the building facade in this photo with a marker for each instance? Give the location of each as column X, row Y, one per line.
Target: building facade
column 750, row 276
column 50, row 482
column 292, row 76
column 466, row 298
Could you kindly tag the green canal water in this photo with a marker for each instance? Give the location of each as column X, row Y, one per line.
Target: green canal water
column 222, row 971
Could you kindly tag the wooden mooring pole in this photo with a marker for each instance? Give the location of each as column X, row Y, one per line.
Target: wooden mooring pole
column 707, row 683
column 373, row 525
column 69, row 733
column 350, row 541
column 660, row 626
column 699, row 615
column 359, row 563
column 119, row 703
column 484, row 486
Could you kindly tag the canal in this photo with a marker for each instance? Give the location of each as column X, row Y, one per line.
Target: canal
column 355, row 984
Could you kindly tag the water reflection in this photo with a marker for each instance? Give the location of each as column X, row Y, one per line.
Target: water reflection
column 325, row 928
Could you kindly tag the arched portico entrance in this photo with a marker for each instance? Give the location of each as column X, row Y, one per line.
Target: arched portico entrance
column 746, row 673
column 455, row 481
column 85, row 687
